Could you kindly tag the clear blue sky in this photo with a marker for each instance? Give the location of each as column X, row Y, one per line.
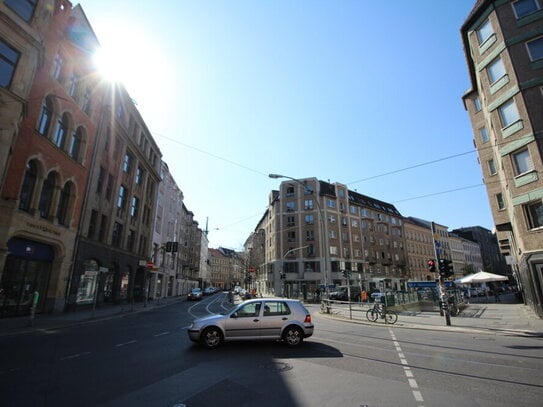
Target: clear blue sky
column 346, row 91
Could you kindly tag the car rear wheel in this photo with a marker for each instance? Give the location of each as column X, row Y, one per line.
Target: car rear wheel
column 293, row 336
column 211, row 337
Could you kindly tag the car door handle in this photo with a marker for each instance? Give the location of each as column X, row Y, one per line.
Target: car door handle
column 255, row 320
column 284, row 318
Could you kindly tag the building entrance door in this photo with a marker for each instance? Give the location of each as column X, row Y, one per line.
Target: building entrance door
column 20, row 280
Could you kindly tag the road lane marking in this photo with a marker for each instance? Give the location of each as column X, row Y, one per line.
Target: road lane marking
column 74, row 356
column 407, row 370
column 125, row 343
column 162, row 334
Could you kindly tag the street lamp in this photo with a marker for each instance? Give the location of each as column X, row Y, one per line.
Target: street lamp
column 322, row 246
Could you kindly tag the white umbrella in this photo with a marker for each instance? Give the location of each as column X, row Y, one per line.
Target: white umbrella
column 482, row 277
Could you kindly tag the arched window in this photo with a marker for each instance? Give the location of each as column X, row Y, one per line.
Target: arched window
column 46, row 117
column 61, row 132
column 75, row 144
column 46, row 196
column 64, row 204
column 27, row 189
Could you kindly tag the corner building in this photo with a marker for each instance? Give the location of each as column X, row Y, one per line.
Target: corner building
column 315, row 230
column 503, row 42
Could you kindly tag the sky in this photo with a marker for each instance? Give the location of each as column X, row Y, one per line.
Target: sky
column 364, row 93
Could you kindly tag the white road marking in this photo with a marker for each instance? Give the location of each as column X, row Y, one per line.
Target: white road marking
column 125, row 343
column 75, row 356
column 162, row 334
column 408, row 373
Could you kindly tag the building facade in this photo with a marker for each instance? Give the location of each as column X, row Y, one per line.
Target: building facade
column 48, row 164
column 420, row 248
column 503, row 42
column 80, row 175
column 317, row 232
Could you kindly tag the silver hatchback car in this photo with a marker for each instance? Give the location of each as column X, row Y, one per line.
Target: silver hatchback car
column 258, row 319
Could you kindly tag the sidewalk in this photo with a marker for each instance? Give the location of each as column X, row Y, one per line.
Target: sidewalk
column 489, row 318
column 41, row 322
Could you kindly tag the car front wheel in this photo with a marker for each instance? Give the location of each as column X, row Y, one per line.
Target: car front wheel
column 211, row 337
column 293, row 336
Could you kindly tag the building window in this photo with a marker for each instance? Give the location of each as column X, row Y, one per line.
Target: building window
column 23, row 8
column 57, row 67
column 508, row 113
column 308, row 204
column 131, row 239
column 62, row 131
column 86, row 102
column 75, row 145
column 525, row 7
column 477, row 104
column 291, row 236
column 46, row 196
column 72, row 87
column 139, row 176
column 492, row 167
column 46, row 117
column 484, row 32
column 330, row 203
column 496, row 70
column 64, row 205
column 522, row 162
column 290, row 221
column 484, row 134
column 103, row 228
column 290, row 191
column 309, row 219
column 500, row 202
column 134, row 207
column 92, row 224
column 121, row 198
column 534, row 212
column 117, row 234
column 290, row 206
column 309, row 235
column 8, row 62
column 27, row 189
column 535, row 49
column 127, row 162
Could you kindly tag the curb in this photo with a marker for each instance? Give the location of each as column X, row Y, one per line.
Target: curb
column 450, row 328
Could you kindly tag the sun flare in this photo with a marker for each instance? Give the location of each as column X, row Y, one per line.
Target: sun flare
column 134, row 59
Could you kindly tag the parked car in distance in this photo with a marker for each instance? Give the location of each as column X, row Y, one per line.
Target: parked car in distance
column 209, row 290
column 341, row 293
column 195, row 294
column 278, row 319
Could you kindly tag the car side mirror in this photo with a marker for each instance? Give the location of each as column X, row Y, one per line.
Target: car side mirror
column 234, row 315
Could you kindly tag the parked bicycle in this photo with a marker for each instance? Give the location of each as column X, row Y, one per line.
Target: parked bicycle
column 378, row 311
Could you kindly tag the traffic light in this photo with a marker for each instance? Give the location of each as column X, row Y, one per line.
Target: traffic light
column 445, row 268
column 431, row 265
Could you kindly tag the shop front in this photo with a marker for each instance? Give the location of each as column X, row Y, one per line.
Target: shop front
column 25, row 277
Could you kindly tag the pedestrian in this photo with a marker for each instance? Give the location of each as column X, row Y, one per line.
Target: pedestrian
column 497, row 294
column 317, row 295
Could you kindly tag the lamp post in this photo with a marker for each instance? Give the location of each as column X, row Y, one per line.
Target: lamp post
column 322, row 246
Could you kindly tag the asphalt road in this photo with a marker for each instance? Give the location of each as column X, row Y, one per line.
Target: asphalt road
column 146, row 359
